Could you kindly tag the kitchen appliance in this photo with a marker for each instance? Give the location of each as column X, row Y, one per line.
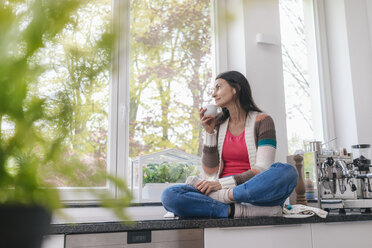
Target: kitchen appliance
column 343, row 180
column 362, row 163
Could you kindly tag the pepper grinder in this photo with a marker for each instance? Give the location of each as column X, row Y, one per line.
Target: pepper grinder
column 300, row 187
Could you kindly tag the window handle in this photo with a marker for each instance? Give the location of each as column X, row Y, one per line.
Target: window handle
column 123, row 112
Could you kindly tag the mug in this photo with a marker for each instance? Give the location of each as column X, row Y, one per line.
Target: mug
column 211, row 110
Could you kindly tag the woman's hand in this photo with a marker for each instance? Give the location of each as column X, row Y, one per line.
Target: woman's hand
column 207, row 187
column 207, row 121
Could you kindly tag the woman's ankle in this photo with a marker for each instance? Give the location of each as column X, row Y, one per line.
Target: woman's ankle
column 231, row 195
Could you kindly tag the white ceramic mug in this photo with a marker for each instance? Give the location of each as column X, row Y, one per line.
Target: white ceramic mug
column 211, row 110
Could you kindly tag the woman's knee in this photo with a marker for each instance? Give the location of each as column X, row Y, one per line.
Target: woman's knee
column 292, row 173
column 286, row 169
column 285, row 174
column 172, row 196
column 168, row 196
column 289, row 175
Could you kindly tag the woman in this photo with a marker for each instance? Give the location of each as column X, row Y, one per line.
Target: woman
column 238, row 155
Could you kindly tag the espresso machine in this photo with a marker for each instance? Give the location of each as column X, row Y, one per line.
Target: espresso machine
column 344, row 180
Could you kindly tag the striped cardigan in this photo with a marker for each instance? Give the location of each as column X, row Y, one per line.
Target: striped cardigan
column 260, row 139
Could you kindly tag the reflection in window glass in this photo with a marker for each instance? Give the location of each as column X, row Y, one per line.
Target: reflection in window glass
column 170, row 72
column 300, row 82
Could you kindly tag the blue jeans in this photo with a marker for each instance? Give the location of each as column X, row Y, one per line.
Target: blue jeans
column 269, row 188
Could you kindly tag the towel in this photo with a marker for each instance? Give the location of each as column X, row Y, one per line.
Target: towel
column 170, row 215
column 302, row 211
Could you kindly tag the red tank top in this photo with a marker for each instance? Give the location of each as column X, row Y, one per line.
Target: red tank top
column 235, row 155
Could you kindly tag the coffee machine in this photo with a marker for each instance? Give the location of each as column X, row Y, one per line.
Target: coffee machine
column 344, row 180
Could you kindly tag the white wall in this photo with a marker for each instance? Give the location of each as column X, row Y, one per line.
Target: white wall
column 261, row 63
column 340, row 75
column 348, row 27
column 360, row 49
column 369, row 13
column 264, row 65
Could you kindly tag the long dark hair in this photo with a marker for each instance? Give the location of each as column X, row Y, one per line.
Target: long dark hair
column 243, row 92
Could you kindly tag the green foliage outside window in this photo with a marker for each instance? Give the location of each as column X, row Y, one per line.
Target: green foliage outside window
column 168, row 173
column 170, row 72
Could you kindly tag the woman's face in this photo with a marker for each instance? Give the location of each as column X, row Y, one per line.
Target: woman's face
column 223, row 93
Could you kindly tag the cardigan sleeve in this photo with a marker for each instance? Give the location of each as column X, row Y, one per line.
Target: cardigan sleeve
column 266, row 143
column 210, row 157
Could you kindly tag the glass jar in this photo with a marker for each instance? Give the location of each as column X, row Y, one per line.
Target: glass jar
column 362, row 152
column 309, row 187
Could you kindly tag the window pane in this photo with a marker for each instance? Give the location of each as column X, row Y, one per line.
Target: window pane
column 170, row 72
column 76, row 64
column 300, row 75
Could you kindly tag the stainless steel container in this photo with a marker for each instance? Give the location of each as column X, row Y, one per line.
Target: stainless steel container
column 315, row 146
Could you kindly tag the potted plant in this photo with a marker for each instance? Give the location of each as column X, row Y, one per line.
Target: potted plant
column 157, row 177
column 32, row 133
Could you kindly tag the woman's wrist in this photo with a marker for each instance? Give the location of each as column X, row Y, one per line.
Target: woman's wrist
column 210, row 139
column 212, row 131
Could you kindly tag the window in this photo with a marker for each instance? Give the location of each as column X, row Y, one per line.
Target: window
column 302, row 92
column 170, row 72
column 164, row 49
column 73, row 62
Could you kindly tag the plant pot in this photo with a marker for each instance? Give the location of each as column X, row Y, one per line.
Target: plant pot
column 152, row 191
column 23, row 226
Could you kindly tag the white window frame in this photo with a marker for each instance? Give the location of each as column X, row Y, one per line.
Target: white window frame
column 122, row 54
column 219, row 39
column 314, row 76
column 118, row 147
column 324, row 71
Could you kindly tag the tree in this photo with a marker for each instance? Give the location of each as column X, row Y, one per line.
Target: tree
column 79, row 65
column 170, row 52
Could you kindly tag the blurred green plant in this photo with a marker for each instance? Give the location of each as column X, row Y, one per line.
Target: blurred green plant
column 168, row 173
column 34, row 129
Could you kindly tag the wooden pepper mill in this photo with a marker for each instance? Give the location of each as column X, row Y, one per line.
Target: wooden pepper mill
column 300, row 187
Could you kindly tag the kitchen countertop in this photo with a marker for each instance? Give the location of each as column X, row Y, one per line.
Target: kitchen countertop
column 99, row 220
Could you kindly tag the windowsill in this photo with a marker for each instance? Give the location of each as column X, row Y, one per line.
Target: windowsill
column 99, row 214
